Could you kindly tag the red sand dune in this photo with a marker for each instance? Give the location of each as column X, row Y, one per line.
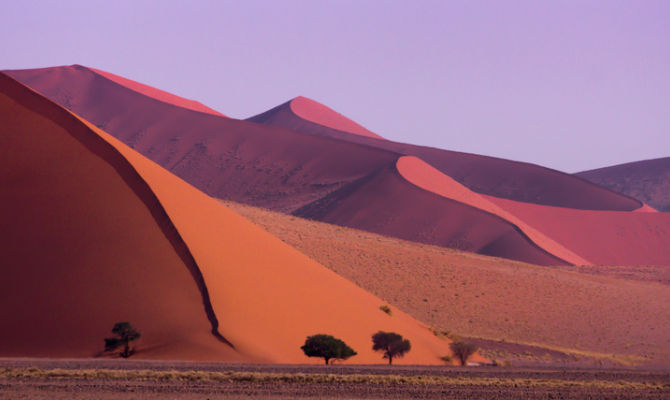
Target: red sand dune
column 303, row 172
column 401, row 209
column 226, row 158
column 647, row 181
column 316, row 114
column 158, row 94
column 110, row 235
column 256, row 164
column 646, row 208
column 426, row 177
column 602, row 237
column 487, row 175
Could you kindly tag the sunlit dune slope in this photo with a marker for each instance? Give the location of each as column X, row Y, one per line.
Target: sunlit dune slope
column 479, row 296
column 110, row 235
column 647, row 181
column 303, row 114
column 602, row 237
column 487, row 175
column 399, row 208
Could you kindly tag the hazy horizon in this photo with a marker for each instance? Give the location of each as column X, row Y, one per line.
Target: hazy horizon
column 567, row 85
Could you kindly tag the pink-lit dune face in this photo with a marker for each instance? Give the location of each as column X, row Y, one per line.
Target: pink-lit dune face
column 426, row 177
column 112, row 236
column 319, row 114
column 385, row 202
column 482, row 174
column 157, row 93
column 646, row 208
column 602, row 237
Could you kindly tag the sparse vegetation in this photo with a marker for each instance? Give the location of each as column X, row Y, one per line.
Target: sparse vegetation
column 327, row 347
column 386, row 309
column 447, row 359
column 391, row 343
column 125, row 333
column 463, row 351
column 303, row 378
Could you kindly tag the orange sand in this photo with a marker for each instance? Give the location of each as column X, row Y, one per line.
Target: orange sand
column 603, row 310
column 109, row 235
column 84, row 244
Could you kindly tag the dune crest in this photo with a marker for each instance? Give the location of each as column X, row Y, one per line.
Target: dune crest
column 320, row 114
column 426, row 177
column 401, row 209
column 646, row 208
column 481, row 174
column 157, row 94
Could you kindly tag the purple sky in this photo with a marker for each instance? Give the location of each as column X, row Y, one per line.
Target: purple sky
column 571, row 85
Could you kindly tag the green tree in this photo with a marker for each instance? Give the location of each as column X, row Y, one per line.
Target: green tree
column 125, row 333
column 391, row 343
column 327, row 347
column 463, row 351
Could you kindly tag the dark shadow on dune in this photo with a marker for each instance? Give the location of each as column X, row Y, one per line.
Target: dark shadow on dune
column 101, row 148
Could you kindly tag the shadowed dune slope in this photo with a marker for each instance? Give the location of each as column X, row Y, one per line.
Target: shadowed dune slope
column 487, row 175
column 303, row 114
column 479, row 296
column 87, row 250
column 647, row 181
column 403, row 210
column 602, row 237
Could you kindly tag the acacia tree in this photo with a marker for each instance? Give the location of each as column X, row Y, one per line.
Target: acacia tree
column 125, row 333
column 391, row 343
column 463, row 351
column 327, row 347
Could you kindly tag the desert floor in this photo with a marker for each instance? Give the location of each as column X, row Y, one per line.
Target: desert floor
column 131, row 379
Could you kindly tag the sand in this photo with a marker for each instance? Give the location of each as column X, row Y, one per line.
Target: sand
column 113, row 236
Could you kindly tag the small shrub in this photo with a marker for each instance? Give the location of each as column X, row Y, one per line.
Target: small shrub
column 125, row 333
column 462, row 351
column 386, row 309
